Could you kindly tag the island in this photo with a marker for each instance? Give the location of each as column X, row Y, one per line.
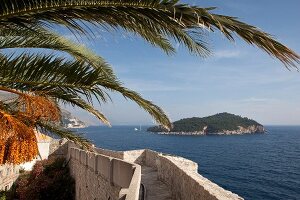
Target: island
column 219, row 124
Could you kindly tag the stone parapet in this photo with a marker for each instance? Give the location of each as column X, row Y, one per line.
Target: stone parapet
column 180, row 174
column 103, row 177
column 185, row 182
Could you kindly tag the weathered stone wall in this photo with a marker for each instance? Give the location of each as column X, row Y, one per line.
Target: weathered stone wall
column 185, row 182
column 110, row 153
column 8, row 175
column 179, row 173
column 101, row 177
column 152, row 158
column 135, row 156
column 58, row 147
column 91, row 185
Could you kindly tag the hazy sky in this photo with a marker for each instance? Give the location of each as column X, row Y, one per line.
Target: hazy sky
column 238, row 78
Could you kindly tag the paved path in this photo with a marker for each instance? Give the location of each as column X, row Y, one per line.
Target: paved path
column 155, row 189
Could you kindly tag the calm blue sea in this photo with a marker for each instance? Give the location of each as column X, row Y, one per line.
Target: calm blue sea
column 259, row 166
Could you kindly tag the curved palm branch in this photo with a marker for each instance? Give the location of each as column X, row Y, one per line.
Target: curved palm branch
column 164, row 18
column 68, row 81
column 50, row 128
column 38, row 37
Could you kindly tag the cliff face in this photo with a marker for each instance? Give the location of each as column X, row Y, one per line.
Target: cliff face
column 219, row 124
column 70, row 121
column 243, row 130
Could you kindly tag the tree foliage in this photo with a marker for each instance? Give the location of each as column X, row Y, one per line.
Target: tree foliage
column 40, row 81
column 216, row 123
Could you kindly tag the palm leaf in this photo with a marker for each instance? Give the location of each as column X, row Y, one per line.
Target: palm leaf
column 37, row 37
column 68, row 81
column 76, row 100
column 165, row 18
column 64, row 133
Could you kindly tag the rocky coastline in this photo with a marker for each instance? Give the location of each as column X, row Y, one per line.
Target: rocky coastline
column 240, row 131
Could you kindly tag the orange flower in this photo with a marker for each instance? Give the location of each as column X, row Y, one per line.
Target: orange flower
column 18, row 143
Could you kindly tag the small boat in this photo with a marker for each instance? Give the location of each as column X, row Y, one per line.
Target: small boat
column 136, row 129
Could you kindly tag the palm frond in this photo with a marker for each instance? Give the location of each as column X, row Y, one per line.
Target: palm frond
column 64, row 133
column 155, row 111
column 144, row 18
column 67, row 81
column 34, row 72
column 63, row 82
column 76, row 100
column 38, row 37
column 165, row 18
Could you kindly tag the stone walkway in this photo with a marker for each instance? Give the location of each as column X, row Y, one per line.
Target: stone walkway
column 155, row 189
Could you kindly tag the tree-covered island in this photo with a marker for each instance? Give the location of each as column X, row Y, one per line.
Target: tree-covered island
column 222, row 124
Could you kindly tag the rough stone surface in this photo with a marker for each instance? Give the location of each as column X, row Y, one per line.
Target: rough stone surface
column 155, row 189
column 166, row 177
column 152, row 158
column 8, row 175
column 100, row 177
column 58, row 147
column 181, row 176
column 187, row 184
column 90, row 185
column 135, row 156
column 114, row 154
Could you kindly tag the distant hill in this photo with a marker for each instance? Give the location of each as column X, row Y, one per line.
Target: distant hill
column 70, row 121
column 222, row 123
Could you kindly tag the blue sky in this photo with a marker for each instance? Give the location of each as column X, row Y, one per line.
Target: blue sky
column 237, row 78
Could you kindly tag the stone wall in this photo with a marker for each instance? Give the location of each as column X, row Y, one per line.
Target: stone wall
column 8, row 175
column 101, row 177
column 135, row 156
column 180, row 174
column 110, row 153
column 185, row 182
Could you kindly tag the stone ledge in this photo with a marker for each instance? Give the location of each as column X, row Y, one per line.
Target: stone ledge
column 180, row 174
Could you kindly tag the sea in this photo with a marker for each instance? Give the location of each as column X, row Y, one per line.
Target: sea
column 255, row 166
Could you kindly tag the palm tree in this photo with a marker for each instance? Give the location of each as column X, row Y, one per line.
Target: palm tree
column 41, row 81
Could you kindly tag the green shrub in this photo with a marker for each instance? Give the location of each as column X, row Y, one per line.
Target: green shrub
column 2, row 195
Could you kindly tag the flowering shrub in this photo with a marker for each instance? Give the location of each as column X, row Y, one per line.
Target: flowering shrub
column 49, row 179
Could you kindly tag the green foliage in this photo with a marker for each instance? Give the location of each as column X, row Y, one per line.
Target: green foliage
column 215, row 123
column 84, row 76
column 3, row 195
column 49, row 179
column 158, row 22
column 69, row 82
